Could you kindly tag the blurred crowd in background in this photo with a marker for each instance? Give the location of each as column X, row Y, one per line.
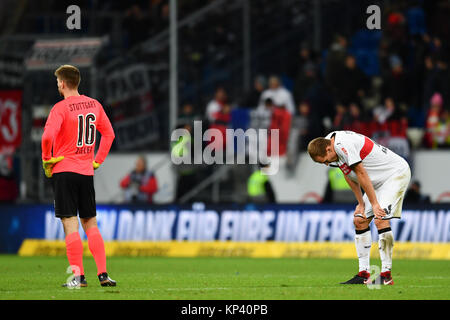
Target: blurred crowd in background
column 381, row 83
column 332, row 91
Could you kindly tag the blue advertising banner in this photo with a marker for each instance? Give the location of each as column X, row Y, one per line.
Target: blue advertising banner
column 199, row 222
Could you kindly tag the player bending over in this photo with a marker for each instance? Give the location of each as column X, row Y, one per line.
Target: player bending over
column 384, row 176
column 70, row 131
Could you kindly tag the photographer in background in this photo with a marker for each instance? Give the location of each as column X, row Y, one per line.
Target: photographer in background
column 140, row 184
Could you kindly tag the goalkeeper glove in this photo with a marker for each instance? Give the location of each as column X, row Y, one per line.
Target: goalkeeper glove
column 95, row 165
column 49, row 164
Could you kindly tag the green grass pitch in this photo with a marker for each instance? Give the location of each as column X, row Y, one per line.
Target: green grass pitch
column 219, row 278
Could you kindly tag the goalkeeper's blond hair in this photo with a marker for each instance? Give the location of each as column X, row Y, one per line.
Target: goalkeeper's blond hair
column 70, row 75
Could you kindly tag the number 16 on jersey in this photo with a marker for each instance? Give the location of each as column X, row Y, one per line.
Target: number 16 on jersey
column 86, row 130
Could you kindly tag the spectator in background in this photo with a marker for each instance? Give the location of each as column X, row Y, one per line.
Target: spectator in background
column 158, row 13
column 390, row 120
column 259, row 188
column 215, row 106
column 155, row 7
column 432, row 121
column 382, row 113
column 306, row 123
column 443, row 130
column 140, row 184
column 221, row 121
column 357, row 122
column 187, row 115
column 305, row 56
column 252, row 98
column 335, row 62
column 389, row 128
column 430, row 72
column 280, row 96
column 136, row 23
column 341, row 117
column 354, row 84
column 436, row 48
column 261, row 117
column 281, row 120
column 8, row 186
column 304, row 129
column 414, row 195
column 165, row 15
column 436, row 129
column 396, row 33
column 442, row 80
column 384, row 54
column 418, row 51
column 396, row 83
column 305, row 81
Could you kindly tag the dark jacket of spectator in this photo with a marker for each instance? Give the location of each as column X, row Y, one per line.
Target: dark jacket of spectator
column 353, row 84
column 306, row 124
column 396, row 84
column 251, row 99
column 335, row 62
column 305, row 81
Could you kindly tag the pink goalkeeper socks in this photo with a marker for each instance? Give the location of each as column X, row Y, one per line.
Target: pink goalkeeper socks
column 97, row 248
column 74, row 250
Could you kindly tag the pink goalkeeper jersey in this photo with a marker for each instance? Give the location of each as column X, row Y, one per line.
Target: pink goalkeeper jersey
column 71, row 131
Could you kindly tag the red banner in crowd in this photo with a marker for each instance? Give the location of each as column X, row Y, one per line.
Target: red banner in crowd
column 10, row 120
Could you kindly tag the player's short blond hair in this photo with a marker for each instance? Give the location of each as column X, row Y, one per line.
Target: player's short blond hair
column 318, row 147
column 70, row 75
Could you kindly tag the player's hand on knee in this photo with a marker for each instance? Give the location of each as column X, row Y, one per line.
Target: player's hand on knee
column 359, row 211
column 378, row 211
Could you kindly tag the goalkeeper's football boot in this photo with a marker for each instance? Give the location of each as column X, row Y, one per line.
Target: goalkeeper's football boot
column 106, row 281
column 76, row 282
column 362, row 277
column 384, row 278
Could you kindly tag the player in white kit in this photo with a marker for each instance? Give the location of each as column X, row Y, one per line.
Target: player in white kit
column 384, row 176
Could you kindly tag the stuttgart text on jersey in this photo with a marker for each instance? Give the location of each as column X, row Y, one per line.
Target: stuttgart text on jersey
column 84, row 105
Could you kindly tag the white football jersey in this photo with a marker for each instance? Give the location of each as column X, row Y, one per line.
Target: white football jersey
column 379, row 162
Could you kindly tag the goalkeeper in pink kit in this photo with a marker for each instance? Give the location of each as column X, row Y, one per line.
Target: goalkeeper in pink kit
column 68, row 145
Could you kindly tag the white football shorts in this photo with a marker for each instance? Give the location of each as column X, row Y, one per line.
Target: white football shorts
column 390, row 195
